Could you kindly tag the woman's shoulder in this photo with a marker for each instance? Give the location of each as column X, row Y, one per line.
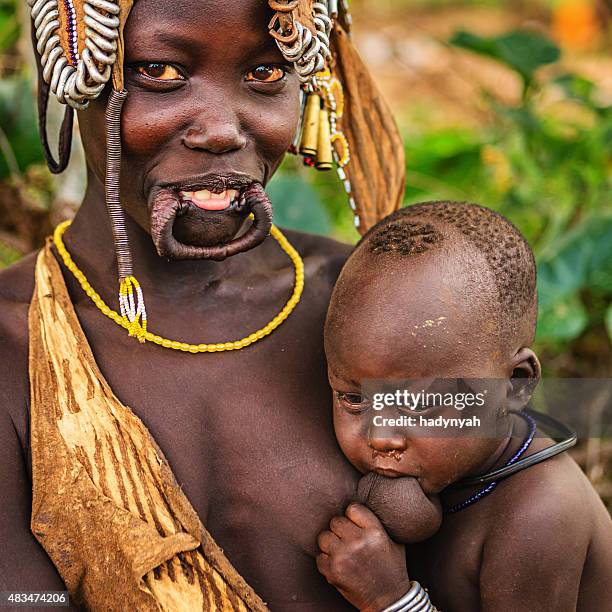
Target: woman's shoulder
column 17, row 282
column 16, row 287
column 323, row 255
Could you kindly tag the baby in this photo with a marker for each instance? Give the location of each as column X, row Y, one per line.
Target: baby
column 443, row 294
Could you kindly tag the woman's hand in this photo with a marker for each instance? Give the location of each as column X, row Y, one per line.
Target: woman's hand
column 361, row 561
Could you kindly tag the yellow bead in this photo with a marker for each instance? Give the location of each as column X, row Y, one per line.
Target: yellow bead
column 175, row 345
column 166, row 343
column 194, row 349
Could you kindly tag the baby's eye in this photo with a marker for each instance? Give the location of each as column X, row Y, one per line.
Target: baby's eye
column 160, row 72
column 353, row 402
column 266, row 74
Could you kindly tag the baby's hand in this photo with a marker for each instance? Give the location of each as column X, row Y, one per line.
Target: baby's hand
column 361, row 561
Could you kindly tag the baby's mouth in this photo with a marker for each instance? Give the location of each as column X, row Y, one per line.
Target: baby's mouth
column 210, row 200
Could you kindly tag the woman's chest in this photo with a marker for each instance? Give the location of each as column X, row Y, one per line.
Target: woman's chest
column 249, row 437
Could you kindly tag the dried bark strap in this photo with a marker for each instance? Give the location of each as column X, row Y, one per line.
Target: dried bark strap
column 106, row 506
column 376, row 171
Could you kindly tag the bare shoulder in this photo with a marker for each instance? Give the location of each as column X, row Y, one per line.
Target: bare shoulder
column 547, row 542
column 16, row 287
column 323, row 255
column 551, row 495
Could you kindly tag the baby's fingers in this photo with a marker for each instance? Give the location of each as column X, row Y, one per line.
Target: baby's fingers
column 363, row 517
column 344, row 528
column 324, row 564
column 327, row 541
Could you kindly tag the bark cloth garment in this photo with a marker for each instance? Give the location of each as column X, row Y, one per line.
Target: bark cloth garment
column 105, row 504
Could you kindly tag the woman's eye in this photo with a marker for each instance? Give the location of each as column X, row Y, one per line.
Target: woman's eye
column 354, row 402
column 266, row 74
column 160, row 72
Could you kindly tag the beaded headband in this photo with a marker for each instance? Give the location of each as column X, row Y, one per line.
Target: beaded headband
column 345, row 121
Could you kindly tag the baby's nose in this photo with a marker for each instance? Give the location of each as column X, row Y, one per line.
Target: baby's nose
column 385, row 441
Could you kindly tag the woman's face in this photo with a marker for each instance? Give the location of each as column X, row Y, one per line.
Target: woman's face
column 212, row 107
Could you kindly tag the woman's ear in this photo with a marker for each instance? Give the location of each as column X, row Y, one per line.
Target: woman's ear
column 526, row 374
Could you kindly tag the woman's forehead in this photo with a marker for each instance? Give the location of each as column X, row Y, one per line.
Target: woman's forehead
column 231, row 26
column 228, row 16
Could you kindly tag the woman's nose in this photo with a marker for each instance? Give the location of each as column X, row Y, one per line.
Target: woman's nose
column 385, row 441
column 215, row 135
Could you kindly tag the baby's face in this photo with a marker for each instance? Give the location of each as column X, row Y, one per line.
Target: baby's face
column 410, row 319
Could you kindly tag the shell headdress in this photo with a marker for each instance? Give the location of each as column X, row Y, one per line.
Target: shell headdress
column 345, row 121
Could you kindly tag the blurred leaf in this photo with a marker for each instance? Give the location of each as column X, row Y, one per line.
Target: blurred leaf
column 8, row 255
column 576, row 87
column 19, row 123
column 609, row 321
column 563, row 320
column 297, row 206
column 443, row 165
column 522, row 51
column 9, row 26
column 582, row 259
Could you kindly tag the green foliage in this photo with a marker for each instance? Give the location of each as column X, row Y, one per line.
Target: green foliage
column 523, row 52
column 19, row 142
column 297, row 205
column 322, row 208
column 9, row 25
column 580, row 264
column 551, row 175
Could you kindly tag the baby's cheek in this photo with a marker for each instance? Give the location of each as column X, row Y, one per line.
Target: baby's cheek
column 440, row 460
column 446, row 460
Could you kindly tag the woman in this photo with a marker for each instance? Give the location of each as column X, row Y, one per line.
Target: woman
column 213, row 104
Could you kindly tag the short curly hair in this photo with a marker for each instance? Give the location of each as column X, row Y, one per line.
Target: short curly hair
column 419, row 228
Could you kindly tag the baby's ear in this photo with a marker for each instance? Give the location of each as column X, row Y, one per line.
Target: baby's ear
column 526, row 373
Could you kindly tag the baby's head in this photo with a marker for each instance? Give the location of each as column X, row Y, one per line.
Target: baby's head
column 440, row 291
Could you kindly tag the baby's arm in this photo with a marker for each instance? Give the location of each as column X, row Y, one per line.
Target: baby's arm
column 534, row 556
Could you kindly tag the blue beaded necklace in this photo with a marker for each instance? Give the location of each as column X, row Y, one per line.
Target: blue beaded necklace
column 491, row 486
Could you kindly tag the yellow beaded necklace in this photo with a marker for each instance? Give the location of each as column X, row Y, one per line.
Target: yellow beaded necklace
column 183, row 346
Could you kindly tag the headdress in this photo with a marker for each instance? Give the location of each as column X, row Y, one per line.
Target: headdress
column 345, row 121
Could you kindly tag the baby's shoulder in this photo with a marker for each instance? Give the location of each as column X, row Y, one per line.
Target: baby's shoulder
column 549, row 505
column 547, row 542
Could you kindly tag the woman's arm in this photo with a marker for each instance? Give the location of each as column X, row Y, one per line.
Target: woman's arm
column 24, row 565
